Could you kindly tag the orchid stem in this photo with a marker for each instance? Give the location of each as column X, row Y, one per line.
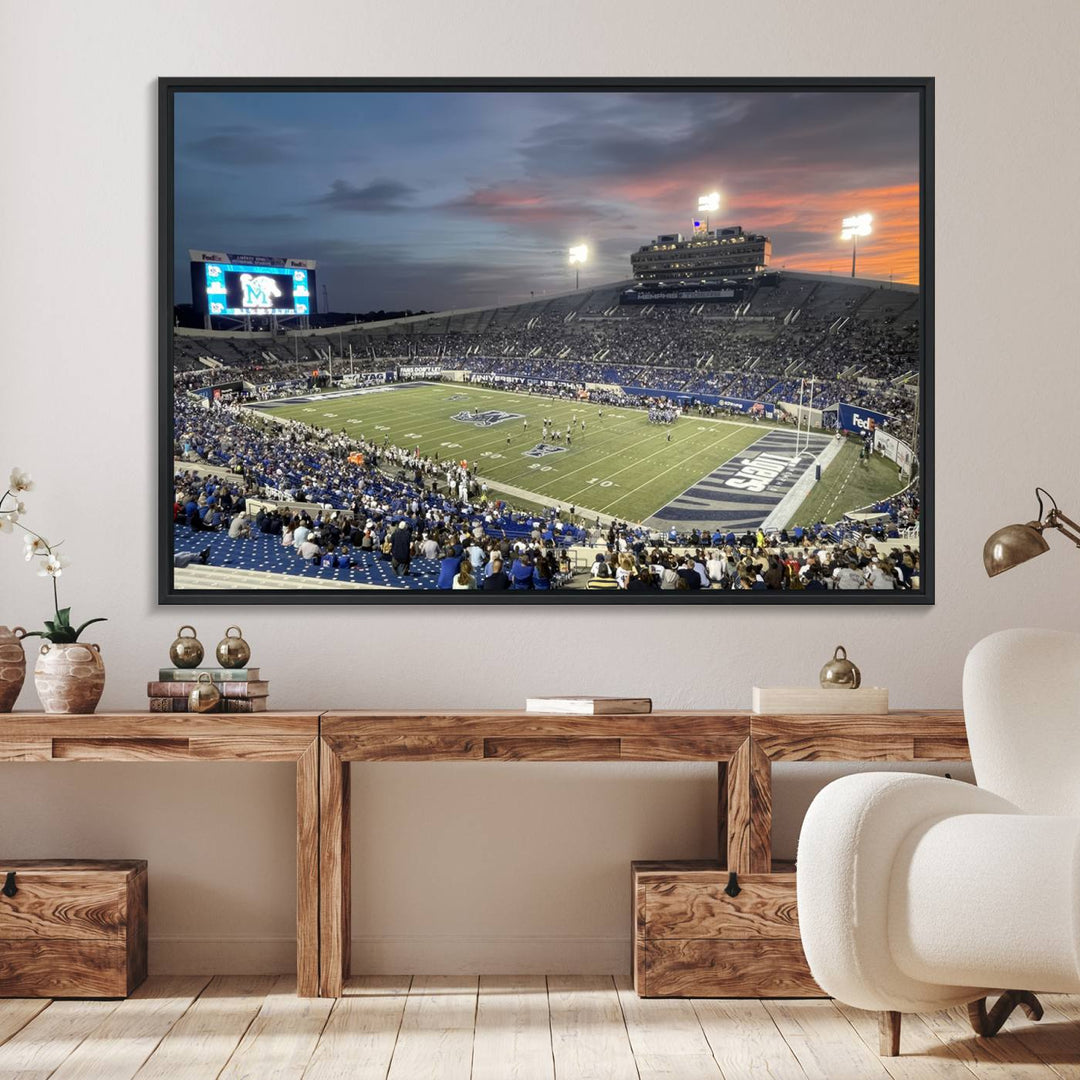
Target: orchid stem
column 47, row 545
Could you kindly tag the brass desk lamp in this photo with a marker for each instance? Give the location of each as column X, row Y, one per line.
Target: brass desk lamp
column 1014, row 544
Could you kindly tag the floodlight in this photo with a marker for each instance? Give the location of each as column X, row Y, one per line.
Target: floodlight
column 851, row 229
column 578, row 254
column 709, row 204
column 859, row 225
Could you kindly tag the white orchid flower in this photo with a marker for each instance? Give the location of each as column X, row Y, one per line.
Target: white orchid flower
column 8, row 519
column 53, row 566
column 34, row 545
column 20, row 481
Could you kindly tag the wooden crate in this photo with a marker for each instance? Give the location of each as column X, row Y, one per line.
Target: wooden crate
column 72, row 928
column 691, row 939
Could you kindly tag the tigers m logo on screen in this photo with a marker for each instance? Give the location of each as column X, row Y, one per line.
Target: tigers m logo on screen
column 489, row 418
column 258, row 290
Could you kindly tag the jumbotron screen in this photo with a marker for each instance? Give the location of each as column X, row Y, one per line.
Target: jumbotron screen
column 238, row 285
column 235, row 289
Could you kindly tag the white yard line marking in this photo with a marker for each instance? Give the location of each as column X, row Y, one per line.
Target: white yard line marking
column 668, row 502
column 840, row 490
column 682, row 461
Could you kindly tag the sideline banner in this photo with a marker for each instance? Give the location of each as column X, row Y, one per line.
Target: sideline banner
column 859, row 420
column 766, row 409
column 894, row 449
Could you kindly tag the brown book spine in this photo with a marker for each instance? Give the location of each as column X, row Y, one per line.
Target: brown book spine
column 225, row 689
column 240, row 705
column 169, row 704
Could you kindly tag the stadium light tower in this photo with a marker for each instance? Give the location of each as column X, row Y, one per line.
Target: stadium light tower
column 578, row 256
column 708, row 204
column 851, row 229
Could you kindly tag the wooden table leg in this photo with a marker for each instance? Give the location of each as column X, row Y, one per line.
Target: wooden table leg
column 334, row 872
column 749, row 810
column 722, row 813
column 307, row 872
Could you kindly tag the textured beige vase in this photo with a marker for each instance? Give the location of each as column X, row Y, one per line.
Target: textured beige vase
column 12, row 666
column 69, row 678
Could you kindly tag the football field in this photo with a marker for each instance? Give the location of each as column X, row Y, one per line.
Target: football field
column 617, row 463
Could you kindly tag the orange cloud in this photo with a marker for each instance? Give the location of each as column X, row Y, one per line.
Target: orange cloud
column 892, row 249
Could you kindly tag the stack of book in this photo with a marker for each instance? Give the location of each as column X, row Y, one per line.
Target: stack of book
column 241, row 689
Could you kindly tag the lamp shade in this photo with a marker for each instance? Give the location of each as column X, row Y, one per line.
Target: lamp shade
column 1012, row 545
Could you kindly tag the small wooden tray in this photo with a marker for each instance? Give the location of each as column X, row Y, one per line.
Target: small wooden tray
column 817, row 701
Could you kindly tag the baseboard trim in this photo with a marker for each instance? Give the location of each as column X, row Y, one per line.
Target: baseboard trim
column 456, row 954
column 394, row 954
column 182, row 955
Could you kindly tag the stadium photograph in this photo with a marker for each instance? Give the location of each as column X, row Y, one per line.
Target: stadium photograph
column 660, row 341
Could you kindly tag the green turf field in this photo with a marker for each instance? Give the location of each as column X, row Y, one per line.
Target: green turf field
column 621, row 465
column 849, row 483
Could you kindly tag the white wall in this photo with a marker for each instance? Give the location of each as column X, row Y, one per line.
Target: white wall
column 495, row 867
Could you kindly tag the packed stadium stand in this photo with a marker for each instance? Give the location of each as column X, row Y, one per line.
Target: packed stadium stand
column 858, row 339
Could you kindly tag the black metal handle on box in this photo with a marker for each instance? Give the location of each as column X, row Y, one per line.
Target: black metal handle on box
column 9, row 884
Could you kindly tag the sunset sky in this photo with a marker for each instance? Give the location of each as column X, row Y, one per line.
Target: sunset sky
column 441, row 200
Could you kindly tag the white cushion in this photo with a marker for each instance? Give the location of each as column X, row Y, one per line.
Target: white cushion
column 849, row 842
column 1022, row 709
column 988, row 900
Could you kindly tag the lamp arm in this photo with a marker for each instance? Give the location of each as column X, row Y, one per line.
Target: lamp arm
column 1056, row 519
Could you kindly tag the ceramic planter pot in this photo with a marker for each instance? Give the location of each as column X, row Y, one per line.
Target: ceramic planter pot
column 69, row 678
column 12, row 666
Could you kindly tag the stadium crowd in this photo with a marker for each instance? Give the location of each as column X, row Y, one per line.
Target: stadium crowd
column 343, row 500
column 360, row 480
column 676, row 350
column 344, row 506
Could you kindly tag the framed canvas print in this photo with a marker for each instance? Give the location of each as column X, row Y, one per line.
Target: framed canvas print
column 512, row 341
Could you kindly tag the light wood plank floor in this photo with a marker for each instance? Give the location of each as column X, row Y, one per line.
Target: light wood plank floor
column 524, row 1027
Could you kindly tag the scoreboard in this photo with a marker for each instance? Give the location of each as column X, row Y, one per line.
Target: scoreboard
column 225, row 283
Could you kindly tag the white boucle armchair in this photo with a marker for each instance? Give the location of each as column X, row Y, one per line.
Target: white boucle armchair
column 917, row 893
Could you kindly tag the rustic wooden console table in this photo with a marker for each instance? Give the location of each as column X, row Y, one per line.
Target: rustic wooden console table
column 743, row 746
column 685, row 955
column 135, row 736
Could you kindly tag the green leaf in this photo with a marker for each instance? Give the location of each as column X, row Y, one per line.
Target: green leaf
column 50, row 625
column 86, row 624
column 63, row 616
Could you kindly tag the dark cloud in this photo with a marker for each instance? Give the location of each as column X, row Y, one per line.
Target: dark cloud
column 379, row 195
column 239, row 144
column 643, row 135
column 263, row 220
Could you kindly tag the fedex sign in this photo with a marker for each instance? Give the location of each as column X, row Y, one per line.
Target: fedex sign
column 863, row 421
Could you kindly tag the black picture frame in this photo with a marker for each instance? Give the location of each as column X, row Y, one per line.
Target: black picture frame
column 169, row 595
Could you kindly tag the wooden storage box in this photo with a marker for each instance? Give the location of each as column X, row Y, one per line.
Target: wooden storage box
column 72, row 928
column 691, row 939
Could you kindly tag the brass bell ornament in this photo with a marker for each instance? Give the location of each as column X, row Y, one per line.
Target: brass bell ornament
column 840, row 673
column 233, row 652
column 186, row 652
column 204, row 695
